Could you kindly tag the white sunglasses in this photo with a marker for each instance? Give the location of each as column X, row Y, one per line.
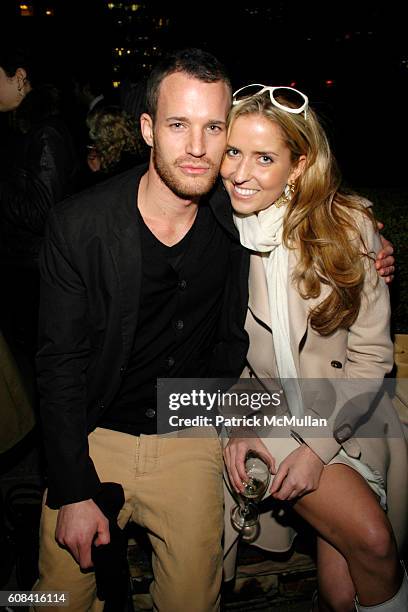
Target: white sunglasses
column 256, row 89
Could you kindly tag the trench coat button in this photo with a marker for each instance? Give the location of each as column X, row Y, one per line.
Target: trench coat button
column 343, row 433
column 170, row 362
column 336, row 364
column 150, row 413
column 182, row 285
column 179, row 325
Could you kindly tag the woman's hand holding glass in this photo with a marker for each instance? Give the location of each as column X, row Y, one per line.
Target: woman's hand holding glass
column 235, row 454
column 297, row 475
column 245, row 515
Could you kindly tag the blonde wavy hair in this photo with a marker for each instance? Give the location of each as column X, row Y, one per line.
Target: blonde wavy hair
column 114, row 132
column 321, row 221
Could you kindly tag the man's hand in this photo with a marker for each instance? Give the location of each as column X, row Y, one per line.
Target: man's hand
column 234, row 457
column 77, row 525
column 298, row 474
column 385, row 261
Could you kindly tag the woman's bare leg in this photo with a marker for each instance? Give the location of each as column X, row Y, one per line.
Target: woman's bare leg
column 346, row 513
column 336, row 589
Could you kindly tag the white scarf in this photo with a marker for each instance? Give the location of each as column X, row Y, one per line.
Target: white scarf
column 262, row 232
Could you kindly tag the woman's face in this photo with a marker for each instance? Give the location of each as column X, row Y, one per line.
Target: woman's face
column 10, row 96
column 257, row 164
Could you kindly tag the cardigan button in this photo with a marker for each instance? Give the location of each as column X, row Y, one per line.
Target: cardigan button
column 336, row 364
column 170, row 361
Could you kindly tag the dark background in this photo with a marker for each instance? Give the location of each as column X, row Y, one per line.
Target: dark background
column 350, row 58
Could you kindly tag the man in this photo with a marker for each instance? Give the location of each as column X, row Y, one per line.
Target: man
column 142, row 277
column 140, row 280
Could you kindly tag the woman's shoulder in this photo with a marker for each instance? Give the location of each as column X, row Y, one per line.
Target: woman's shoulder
column 360, row 218
column 354, row 203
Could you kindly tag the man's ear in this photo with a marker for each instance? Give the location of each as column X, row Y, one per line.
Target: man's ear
column 146, row 127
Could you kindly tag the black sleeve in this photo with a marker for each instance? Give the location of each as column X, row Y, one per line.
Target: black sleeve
column 62, row 362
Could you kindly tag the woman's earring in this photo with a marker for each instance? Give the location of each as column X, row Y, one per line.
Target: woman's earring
column 286, row 196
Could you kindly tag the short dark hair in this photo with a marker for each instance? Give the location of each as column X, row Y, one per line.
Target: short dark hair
column 12, row 58
column 196, row 63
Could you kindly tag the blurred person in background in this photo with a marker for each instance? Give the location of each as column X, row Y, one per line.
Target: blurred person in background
column 117, row 142
column 90, row 92
column 39, row 168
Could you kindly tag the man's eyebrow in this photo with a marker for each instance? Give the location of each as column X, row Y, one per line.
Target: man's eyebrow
column 184, row 119
column 187, row 120
column 216, row 122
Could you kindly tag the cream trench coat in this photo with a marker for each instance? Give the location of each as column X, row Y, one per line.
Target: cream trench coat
column 364, row 351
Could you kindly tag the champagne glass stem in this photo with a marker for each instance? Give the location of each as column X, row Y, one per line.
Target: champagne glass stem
column 245, row 509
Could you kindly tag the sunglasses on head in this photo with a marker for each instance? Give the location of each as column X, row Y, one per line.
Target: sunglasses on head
column 298, row 99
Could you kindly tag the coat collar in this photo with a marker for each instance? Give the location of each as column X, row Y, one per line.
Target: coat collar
column 123, row 217
column 218, row 200
column 221, row 207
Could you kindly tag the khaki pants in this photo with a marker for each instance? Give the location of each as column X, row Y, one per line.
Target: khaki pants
column 173, row 488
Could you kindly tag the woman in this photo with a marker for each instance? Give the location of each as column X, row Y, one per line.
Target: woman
column 117, row 143
column 316, row 310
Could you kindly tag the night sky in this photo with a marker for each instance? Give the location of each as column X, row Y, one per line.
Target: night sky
column 359, row 48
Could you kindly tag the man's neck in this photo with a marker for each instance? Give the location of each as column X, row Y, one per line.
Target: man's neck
column 167, row 215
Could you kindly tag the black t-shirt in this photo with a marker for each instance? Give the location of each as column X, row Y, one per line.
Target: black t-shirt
column 180, row 302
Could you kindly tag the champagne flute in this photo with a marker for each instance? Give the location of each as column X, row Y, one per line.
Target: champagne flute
column 245, row 515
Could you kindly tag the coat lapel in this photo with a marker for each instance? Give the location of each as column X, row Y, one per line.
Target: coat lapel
column 298, row 313
column 126, row 253
column 298, row 307
column 258, row 290
column 221, row 206
column 299, row 310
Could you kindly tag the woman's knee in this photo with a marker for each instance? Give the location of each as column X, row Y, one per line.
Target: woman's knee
column 374, row 543
column 336, row 600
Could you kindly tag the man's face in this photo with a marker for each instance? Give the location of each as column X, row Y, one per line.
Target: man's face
column 189, row 133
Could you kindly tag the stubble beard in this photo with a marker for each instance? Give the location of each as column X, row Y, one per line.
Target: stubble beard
column 190, row 188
